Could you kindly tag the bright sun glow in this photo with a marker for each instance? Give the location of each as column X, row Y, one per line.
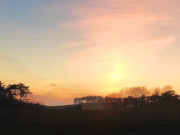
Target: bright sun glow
column 117, row 72
column 116, row 76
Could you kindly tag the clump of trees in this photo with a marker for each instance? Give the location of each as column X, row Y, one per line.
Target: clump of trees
column 139, row 91
column 14, row 95
column 89, row 99
column 136, row 96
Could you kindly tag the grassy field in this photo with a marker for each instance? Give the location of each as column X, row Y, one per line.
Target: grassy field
column 152, row 119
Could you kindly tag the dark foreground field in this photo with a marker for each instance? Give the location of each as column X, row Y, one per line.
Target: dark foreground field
column 153, row 119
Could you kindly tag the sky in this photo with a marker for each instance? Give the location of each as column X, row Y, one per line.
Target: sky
column 64, row 49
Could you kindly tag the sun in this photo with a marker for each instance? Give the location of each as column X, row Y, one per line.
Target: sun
column 115, row 76
column 117, row 72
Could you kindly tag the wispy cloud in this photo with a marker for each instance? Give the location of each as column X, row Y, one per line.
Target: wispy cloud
column 132, row 22
column 120, row 31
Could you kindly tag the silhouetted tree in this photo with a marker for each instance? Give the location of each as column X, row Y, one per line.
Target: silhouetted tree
column 2, row 88
column 17, row 91
column 2, row 93
column 166, row 88
column 14, row 94
column 23, row 90
column 169, row 96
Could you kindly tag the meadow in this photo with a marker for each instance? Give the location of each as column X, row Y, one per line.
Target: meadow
column 157, row 119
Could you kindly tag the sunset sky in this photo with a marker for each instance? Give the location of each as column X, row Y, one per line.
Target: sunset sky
column 64, row 49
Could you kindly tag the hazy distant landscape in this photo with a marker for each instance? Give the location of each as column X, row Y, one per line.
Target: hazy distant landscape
column 156, row 114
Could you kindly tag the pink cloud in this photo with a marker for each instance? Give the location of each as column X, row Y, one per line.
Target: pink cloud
column 120, row 23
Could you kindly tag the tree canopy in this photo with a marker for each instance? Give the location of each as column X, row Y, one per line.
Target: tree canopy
column 14, row 93
column 136, row 96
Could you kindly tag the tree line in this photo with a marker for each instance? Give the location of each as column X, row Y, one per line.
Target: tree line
column 15, row 95
column 136, row 96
